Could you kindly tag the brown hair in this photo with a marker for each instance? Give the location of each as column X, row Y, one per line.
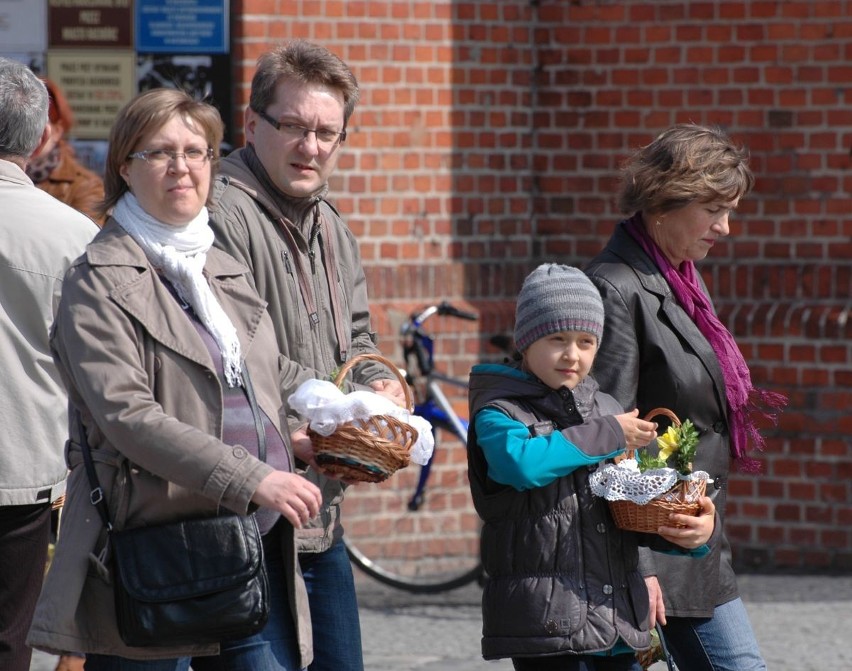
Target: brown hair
column 684, row 164
column 60, row 111
column 145, row 114
column 307, row 63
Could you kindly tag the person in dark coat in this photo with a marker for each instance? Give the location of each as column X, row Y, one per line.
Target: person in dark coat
column 664, row 346
column 562, row 590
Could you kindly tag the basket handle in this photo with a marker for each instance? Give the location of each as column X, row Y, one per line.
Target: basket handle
column 656, row 412
column 662, row 411
column 360, row 358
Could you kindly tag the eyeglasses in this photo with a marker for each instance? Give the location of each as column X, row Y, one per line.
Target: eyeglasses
column 194, row 158
column 326, row 138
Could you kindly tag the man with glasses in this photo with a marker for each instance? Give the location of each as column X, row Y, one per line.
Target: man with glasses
column 268, row 209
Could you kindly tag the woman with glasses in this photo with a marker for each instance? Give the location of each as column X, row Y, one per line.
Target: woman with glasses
column 173, row 375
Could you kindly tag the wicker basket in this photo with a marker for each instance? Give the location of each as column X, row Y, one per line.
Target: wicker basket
column 369, row 450
column 651, row 516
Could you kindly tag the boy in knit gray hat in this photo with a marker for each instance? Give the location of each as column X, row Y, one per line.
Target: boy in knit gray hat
column 563, row 589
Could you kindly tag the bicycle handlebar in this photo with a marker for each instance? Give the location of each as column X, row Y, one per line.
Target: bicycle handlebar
column 445, row 308
column 417, row 343
column 442, row 309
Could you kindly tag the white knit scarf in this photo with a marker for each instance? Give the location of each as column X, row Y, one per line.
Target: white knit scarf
column 180, row 253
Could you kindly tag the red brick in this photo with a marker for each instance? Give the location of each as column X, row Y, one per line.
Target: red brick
column 519, row 166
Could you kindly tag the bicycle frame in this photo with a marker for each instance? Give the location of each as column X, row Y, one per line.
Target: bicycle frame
column 390, row 531
column 436, row 408
column 438, row 411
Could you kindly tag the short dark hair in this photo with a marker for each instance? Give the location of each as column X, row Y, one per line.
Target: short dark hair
column 307, row 63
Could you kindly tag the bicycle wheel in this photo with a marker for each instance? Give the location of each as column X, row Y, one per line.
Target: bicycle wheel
column 425, row 546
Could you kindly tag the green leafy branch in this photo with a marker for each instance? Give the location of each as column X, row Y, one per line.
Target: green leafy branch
column 677, row 450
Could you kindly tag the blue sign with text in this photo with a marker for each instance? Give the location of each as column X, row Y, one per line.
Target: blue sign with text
column 182, row 26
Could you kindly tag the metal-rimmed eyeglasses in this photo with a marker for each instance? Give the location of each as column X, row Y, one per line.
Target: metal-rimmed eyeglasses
column 194, row 158
column 326, row 138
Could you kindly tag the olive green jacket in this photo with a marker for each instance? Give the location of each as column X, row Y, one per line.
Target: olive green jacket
column 314, row 335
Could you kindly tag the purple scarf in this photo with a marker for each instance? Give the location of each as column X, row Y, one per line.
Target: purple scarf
column 744, row 401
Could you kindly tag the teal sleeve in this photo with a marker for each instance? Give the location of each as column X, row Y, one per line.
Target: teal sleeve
column 522, row 461
column 695, row 553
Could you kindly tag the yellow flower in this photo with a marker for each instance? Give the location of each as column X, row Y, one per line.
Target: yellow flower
column 668, row 443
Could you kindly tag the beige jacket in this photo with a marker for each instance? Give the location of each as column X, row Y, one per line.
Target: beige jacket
column 151, row 402
column 39, row 239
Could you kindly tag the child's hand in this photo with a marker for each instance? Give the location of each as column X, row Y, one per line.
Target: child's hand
column 637, row 432
column 697, row 530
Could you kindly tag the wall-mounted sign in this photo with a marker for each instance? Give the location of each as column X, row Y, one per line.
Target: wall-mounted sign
column 90, row 23
column 182, row 26
column 22, row 26
column 96, row 84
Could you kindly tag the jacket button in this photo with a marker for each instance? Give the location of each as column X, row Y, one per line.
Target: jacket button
column 719, row 426
column 239, row 453
column 551, row 627
column 607, row 589
column 601, row 527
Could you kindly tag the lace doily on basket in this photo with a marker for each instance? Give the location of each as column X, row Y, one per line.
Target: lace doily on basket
column 624, row 482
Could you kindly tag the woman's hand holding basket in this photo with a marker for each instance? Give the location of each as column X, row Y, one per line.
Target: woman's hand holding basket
column 648, row 496
column 691, row 531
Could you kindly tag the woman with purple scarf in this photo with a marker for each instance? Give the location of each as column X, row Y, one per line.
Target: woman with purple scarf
column 664, row 346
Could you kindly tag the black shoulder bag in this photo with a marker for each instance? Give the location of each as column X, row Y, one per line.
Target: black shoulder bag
column 188, row 582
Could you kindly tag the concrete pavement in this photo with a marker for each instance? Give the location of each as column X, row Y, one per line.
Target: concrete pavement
column 803, row 623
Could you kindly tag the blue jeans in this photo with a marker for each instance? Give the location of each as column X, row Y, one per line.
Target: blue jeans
column 724, row 642
column 334, row 610
column 273, row 649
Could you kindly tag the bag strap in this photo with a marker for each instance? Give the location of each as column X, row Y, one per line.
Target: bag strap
column 255, row 411
column 320, row 225
column 96, row 495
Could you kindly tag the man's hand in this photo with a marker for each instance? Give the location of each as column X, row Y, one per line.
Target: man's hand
column 303, row 448
column 296, row 498
column 655, row 599
column 391, row 389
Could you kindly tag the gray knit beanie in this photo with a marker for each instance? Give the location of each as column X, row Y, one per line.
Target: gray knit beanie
column 557, row 298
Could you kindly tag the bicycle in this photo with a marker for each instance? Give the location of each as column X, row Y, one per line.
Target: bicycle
column 418, row 531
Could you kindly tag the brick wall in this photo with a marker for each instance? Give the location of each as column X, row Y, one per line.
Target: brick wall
column 489, row 139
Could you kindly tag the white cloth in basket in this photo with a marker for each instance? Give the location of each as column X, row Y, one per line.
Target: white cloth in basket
column 624, row 482
column 325, row 407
